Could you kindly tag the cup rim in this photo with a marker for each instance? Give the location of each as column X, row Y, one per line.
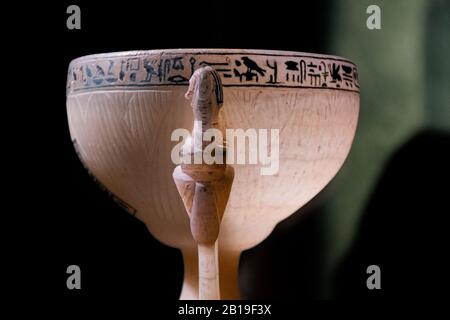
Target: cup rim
column 141, row 69
column 264, row 52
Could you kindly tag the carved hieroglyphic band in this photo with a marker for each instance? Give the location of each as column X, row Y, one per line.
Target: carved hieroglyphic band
column 237, row 68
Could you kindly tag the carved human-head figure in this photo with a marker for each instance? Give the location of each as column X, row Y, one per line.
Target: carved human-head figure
column 206, row 95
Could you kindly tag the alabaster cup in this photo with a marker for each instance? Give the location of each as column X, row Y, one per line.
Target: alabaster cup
column 124, row 107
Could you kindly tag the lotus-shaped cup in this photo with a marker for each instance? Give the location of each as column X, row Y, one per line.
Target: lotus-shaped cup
column 123, row 108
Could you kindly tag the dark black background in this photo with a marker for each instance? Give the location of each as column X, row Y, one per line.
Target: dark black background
column 64, row 218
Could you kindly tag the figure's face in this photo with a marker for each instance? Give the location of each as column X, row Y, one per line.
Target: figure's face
column 192, row 82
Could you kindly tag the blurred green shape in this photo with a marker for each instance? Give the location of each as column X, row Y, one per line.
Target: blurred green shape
column 404, row 76
column 437, row 65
